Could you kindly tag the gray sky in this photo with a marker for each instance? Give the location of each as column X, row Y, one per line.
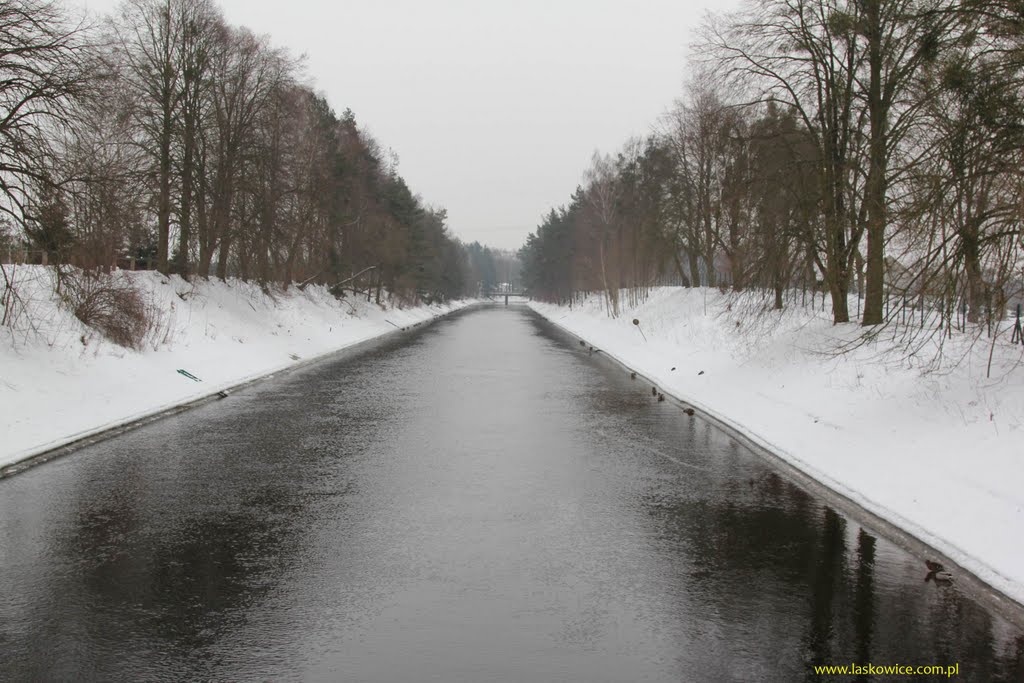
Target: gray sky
column 494, row 109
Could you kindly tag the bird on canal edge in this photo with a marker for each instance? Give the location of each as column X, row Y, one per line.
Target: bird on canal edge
column 937, row 573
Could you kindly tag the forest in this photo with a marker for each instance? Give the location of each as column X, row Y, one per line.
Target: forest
column 867, row 151
column 164, row 138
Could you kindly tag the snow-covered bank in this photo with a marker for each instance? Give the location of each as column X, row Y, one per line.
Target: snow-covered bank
column 939, row 454
column 60, row 381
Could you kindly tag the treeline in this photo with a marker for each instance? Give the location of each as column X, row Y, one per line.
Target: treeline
column 868, row 149
column 165, row 138
column 494, row 270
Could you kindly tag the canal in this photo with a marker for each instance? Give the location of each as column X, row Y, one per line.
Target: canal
column 478, row 500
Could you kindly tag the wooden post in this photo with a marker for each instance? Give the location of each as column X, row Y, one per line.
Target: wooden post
column 1018, row 333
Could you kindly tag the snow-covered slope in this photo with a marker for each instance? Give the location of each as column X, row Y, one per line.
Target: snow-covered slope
column 61, row 381
column 938, row 453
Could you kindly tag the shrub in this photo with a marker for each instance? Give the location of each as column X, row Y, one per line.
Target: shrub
column 112, row 305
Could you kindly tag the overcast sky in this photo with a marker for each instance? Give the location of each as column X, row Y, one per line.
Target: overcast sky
column 493, row 109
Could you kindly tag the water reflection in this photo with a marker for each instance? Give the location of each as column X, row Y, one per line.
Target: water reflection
column 864, row 602
column 772, row 550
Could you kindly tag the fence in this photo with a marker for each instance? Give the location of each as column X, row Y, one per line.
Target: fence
column 39, row 257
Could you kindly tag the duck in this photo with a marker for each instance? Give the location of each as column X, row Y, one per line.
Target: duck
column 937, row 573
column 661, row 397
column 939, row 577
column 654, row 391
column 689, row 411
column 632, row 375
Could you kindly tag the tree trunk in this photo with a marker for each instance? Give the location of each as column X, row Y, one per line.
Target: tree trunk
column 185, row 229
column 875, row 185
column 164, row 203
column 679, row 269
column 972, row 267
column 840, row 306
column 222, row 255
column 695, row 278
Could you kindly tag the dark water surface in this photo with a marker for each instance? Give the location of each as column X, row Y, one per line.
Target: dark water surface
column 479, row 501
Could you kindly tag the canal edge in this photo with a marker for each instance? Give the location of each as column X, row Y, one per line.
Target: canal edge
column 969, row 581
column 76, row 443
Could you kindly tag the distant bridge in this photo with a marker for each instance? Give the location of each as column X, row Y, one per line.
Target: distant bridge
column 497, row 296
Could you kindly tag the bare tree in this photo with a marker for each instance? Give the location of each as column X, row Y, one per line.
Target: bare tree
column 44, row 63
column 199, row 23
column 246, row 73
column 708, row 139
column 806, row 55
column 602, row 196
column 108, row 193
column 149, row 33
